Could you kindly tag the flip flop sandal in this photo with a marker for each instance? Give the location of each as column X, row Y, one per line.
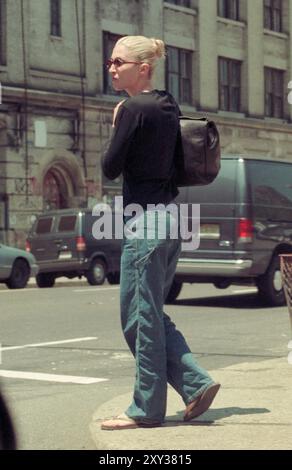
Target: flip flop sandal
column 201, row 403
column 118, row 423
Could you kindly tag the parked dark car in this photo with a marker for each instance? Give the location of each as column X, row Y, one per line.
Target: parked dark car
column 16, row 267
column 246, row 222
column 63, row 244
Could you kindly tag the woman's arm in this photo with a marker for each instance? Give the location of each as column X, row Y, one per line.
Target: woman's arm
column 113, row 160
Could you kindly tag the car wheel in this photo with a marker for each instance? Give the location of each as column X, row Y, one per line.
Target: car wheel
column 270, row 284
column 45, row 280
column 19, row 276
column 173, row 292
column 97, row 272
column 113, row 278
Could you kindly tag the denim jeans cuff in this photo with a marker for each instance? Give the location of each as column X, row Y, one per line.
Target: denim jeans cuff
column 200, row 391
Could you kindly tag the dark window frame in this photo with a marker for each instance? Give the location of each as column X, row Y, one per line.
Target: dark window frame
column 56, row 17
column 273, row 15
column 3, row 32
column 109, row 39
column 229, row 90
column 274, row 93
column 184, row 74
column 229, row 9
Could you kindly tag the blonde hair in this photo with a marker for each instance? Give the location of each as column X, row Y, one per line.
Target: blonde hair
column 147, row 50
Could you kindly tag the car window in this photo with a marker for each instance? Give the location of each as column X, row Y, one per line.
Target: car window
column 44, row 225
column 67, row 223
column 271, row 183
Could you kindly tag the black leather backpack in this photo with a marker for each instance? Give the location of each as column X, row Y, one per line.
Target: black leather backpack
column 197, row 155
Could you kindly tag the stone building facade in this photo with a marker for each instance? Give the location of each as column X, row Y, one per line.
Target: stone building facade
column 224, row 59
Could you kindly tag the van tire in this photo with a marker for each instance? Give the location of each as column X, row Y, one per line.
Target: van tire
column 174, row 291
column 45, row 280
column 19, row 276
column 269, row 284
column 97, row 272
column 113, row 278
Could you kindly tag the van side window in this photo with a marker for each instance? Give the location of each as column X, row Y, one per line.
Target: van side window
column 44, row 225
column 67, row 223
column 271, row 183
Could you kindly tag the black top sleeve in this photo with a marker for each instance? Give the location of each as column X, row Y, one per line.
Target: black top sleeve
column 113, row 160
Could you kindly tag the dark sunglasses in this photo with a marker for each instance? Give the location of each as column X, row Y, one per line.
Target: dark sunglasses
column 118, row 62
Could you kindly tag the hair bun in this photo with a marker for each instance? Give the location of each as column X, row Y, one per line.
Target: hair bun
column 159, row 47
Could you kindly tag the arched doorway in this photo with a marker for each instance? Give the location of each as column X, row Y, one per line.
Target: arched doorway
column 57, row 189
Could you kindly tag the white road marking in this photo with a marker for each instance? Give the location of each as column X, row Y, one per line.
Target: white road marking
column 14, row 374
column 98, row 289
column 35, row 345
column 245, row 291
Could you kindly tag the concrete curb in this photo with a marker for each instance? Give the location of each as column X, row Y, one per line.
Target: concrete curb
column 253, row 410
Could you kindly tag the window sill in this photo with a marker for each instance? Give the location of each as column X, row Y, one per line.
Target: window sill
column 55, row 38
column 188, row 11
column 276, row 34
column 187, row 108
column 48, row 74
column 275, row 120
column 231, row 114
column 237, row 23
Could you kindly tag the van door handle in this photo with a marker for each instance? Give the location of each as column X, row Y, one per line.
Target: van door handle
column 57, row 241
column 40, row 249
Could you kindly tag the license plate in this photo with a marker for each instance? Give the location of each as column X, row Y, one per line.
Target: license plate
column 209, row 231
column 65, row 255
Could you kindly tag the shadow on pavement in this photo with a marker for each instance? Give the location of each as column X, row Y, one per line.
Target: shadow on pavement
column 249, row 301
column 212, row 416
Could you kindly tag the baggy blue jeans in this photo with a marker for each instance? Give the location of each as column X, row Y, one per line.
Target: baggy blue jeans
column 148, row 266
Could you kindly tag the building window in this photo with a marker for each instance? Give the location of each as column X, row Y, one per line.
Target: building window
column 274, row 93
column 109, row 41
column 229, row 84
column 228, row 9
column 2, row 32
column 182, row 3
column 179, row 74
column 273, row 15
column 56, row 18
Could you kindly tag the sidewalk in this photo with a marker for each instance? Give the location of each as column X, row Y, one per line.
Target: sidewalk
column 253, row 410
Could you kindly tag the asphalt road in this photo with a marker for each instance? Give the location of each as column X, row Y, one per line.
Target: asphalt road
column 71, row 333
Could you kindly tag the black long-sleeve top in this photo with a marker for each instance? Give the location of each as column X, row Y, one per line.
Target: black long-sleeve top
column 142, row 148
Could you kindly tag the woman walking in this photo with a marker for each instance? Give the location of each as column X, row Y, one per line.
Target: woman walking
column 142, row 149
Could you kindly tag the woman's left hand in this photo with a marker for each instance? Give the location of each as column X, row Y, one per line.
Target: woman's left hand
column 116, row 111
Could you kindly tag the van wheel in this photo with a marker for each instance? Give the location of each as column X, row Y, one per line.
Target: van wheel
column 173, row 292
column 97, row 272
column 19, row 276
column 113, row 278
column 270, row 284
column 45, row 280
